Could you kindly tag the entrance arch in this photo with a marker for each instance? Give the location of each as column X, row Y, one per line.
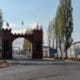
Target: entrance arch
column 21, row 49
column 36, row 38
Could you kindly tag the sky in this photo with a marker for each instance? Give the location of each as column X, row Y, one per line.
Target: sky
column 28, row 11
column 41, row 11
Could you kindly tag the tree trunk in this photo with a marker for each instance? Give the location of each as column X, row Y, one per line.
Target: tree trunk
column 66, row 54
column 53, row 43
column 57, row 48
column 60, row 47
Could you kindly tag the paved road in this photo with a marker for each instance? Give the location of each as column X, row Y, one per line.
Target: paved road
column 42, row 72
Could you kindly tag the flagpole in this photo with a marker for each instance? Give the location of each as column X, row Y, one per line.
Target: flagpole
column 22, row 26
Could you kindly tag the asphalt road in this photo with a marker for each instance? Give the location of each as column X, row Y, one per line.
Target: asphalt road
column 42, row 72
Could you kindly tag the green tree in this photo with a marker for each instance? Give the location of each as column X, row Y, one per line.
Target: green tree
column 68, row 23
column 57, row 25
column 27, row 44
column 59, row 28
column 64, row 24
column 1, row 23
column 50, row 34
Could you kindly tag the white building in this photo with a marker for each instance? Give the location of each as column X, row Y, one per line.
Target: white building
column 74, row 50
column 46, row 51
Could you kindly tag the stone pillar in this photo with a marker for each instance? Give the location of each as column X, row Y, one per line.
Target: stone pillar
column 6, row 44
column 37, row 52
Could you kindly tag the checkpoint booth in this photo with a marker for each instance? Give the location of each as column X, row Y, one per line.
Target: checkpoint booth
column 53, row 52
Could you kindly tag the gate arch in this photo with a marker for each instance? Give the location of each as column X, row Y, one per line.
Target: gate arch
column 36, row 38
column 21, row 50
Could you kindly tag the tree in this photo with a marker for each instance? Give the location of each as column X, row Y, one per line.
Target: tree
column 59, row 28
column 50, row 34
column 27, row 44
column 49, row 37
column 64, row 24
column 1, row 23
column 68, row 20
column 1, row 20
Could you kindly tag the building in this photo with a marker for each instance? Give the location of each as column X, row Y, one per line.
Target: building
column 46, row 51
column 74, row 50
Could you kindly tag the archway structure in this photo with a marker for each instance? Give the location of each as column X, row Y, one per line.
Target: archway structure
column 36, row 38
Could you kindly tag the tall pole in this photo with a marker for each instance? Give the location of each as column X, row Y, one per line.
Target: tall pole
column 22, row 26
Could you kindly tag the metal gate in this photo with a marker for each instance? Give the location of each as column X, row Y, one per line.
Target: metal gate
column 21, row 54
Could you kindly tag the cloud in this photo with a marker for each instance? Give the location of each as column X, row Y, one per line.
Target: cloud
column 19, row 28
column 14, row 28
column 19, row 31
column 33, row 25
